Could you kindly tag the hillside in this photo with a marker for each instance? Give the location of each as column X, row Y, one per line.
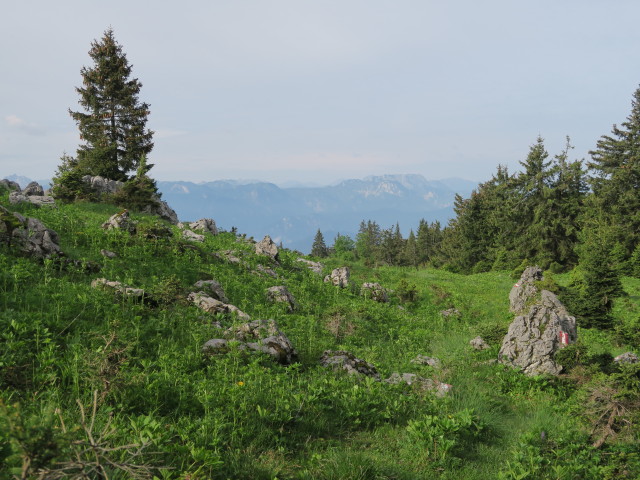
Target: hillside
column 117, row 385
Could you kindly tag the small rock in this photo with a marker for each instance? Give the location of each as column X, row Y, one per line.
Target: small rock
column 424, row 360
column 108, row 253
column 451, row 312
column 216, row 345
column 479, row 344
column 343, row 360
column 280, row 294
column 211, row 305
column 205, row 225
column 375, row 292
column 120, row 221
column 315, row 267
column 339, row 277
column 119, row 288
column 627, row 357
column 440, row 389
column 192, row 237
column 212, row 287
column 270, row 340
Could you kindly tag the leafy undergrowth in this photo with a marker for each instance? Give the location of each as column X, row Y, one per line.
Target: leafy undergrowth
column 114, row 388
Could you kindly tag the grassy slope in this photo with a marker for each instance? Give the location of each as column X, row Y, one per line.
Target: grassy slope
column 242, row 416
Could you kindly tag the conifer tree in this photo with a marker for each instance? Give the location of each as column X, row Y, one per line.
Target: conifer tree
column 319, row 247
column 615, row 165
column 113, row 121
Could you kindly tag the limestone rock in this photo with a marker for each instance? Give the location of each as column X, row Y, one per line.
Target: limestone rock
column 478, row 343
column 33, row 189
column 343, row 360
column 213, row 288
column 29, row 235
column 627, row 357
column 440, row 389
column 163, row 210
column 425, row 360
column 262, row 270
column 108, row 253
column 339, row 277
column 211, row 305
column 315, row 267
column 265, row 336
column 10, row 185
column 267, row 247
column 120, row 221
column 280, row 294
column 216, row 345
column 102, row 185
column 119, row 288
column 524, row 290
column 205, row 225
column 375, row 292
column 535, row 336
column 17, row 197
column 451, row 313
column 192, row 236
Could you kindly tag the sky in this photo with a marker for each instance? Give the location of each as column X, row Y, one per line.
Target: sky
column 311, row 92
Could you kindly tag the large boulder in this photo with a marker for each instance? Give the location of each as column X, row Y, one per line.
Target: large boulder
column 192, row 236
column 162, row 210
column 524, row 290
column 267, row 247
column 280, row 294
column 102, row 185
column 33, row 189
column 339, row 277
column 29, row 235
column 347, row 361
column 536, row 334
column 10, row 185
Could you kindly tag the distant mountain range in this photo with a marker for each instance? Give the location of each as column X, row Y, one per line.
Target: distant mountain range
column 292, row 215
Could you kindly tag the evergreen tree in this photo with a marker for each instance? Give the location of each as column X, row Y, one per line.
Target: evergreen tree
column 113, row 123
column 410, row 252
column 319, row 248
column 343, row 246
column 368, row 242
column 615, row 165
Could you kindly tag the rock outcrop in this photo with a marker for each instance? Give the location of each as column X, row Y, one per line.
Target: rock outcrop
column 10, row 185
column 211, row 287
column 33, row 193
column 207, row 225
column 192, row 236
column 267, row 247
column 315, row 267
column 280, row 294
column 374, row 291
column 118, row 288
column 543, row 326
column 29, row 235
column 33, row 189
column 339, row 277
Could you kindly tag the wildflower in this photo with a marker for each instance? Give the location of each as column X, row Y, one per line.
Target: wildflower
column 240, row 383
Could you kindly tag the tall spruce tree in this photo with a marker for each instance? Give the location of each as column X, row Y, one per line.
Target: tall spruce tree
column 319, row 247
column 615, row 181
column 113, row 123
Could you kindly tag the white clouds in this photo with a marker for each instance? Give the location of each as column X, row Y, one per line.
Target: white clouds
column 17, row 123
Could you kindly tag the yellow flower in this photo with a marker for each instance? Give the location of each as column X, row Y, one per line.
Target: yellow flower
column 240, row 383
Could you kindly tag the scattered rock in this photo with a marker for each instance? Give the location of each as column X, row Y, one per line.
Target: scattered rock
column 119, row 288
column 192, row 236
column 478, row 343
column 38, row 200
column 375, row 292
column 440, row 389
column 17, row 197
column 205, row 225
column 33, row 189
column 10, row 185
column 108, row 253
column 229, row 256
column 267, row 247
column 29, row 235
column 120, row 221
column 451, row 313
column 216, row 345
column 280, row 294
column 535, row 336
column 315, row 267
column 262, row 270
column 525, row 290
column 343, row 360
column 424, row 360
column 102, row 185
column 339, row 277
column 211, row 305
column 213, row 288
column 627, row 357
column 265, row 336
column 162, row 210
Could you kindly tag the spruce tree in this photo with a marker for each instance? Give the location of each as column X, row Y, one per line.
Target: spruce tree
column 113, row 121
column 319, row 248
column 615, row 180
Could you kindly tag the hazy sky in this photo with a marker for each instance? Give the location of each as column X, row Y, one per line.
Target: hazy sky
column 315, row 91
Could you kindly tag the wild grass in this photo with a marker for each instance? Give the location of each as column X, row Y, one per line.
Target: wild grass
column 72, row 356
